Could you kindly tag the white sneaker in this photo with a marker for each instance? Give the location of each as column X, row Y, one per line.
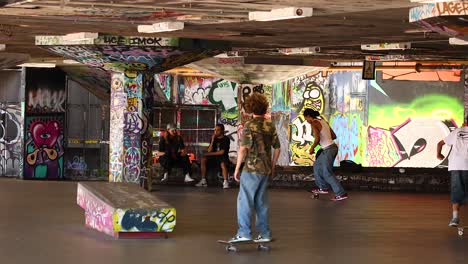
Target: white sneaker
column 454, row 222
column 165, row 177
column 225, row 185
column 261, row 238
column 202, row 183
column 238, row 238
column 188, row 178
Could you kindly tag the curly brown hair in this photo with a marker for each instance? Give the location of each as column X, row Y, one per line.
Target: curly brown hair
column 257, row 104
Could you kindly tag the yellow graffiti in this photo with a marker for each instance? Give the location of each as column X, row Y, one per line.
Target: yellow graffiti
column 443, row 114
column 313, row 98
column 300, row 155
column 74, row 141
column 403, row 113
column 163, row 219
column 132, row 104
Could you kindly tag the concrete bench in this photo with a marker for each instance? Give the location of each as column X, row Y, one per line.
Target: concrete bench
column 125, row 210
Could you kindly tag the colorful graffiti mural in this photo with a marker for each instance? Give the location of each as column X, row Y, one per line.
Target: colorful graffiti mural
column 120, row 54
column 348, row 109
column 307, row 92
column 405, row 126
column 11, row 140
column 144, row 220
column 413, row 130
column 466, row 93
column 98, row 215
column 118, row 104
column 214, row 91
column 162, row 87
column 44, row 147
column 280, row 115
column 44, row 124
column 129, row 122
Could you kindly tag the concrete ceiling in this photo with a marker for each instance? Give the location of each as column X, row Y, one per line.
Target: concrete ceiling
column 338, row 27
column 238, row 69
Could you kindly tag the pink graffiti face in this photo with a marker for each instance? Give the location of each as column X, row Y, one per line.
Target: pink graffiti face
column 45, row 134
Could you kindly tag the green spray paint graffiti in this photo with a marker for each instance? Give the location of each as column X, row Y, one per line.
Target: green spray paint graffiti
column 439, row 106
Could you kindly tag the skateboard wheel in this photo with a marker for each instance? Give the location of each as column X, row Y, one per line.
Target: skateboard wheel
column 460, row 231
column 231, row 248
column 263, row 247
column 316, row 195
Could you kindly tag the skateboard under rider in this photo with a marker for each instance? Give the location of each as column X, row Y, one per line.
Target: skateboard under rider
column 233, row 246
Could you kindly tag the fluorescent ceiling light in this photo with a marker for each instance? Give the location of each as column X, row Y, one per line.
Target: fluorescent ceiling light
column 281, row 13
column 387, row 46
column 22, row 4
column 457, row 41
column 80, row 36
column 2, row 47
column 38, row 65
column 70, row 62
column 304, row 50
column 161, row 27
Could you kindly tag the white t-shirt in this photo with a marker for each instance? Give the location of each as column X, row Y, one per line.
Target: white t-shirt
column 458, row 158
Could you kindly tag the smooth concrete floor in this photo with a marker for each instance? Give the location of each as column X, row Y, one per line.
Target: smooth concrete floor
column 41, row 223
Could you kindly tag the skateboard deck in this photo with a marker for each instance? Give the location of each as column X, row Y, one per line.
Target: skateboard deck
column 233, row 246
column 316, row 195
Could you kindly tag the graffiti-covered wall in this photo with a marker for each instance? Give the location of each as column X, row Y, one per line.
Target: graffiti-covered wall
column 348, row 114
column 387, row 122
column 306, row 92
column 11, row 140
column 214, row 91
column 229, row 96
column 11, row 123
column 162, row 88
column 406, row 120
column 44, row 124
column 379, row 123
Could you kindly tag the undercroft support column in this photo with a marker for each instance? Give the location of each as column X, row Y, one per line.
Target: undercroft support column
column 129, row 140
column 466, row 92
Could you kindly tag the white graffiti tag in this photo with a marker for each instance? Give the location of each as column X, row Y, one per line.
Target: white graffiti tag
column 225, row 94
column 303, row 131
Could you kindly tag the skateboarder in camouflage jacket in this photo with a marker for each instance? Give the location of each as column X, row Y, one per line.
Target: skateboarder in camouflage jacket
column 258, row 137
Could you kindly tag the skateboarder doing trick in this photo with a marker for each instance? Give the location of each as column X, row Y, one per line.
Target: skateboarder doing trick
column 323, row 166
column 258, row 137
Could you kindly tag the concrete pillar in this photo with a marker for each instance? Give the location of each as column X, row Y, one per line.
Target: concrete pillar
column 128, row 122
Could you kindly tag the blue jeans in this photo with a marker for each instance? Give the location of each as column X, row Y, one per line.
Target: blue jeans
column 323, row 170
column 253, row 195
column 458, row 187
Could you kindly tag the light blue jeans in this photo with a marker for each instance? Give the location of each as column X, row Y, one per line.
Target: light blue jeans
column 323, row 170
column 253, row 194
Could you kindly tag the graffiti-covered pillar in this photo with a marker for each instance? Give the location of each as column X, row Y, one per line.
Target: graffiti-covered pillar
column 129, row 58
column 127, row 125
column 44, row 124
column 466, row 92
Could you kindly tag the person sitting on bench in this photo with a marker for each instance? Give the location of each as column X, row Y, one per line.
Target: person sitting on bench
column 171, row 152
column 217, row 155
